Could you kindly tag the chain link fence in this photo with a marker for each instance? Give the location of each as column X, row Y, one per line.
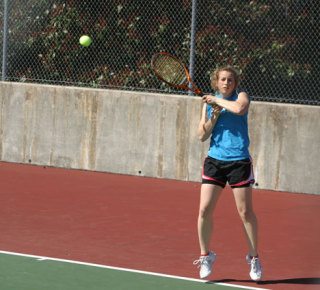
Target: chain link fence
column 273, row 44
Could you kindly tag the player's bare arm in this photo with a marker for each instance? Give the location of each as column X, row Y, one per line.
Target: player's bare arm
column 207, row 124
column 239, row 107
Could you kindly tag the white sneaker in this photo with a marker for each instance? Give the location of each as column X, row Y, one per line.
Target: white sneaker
column 205, row 264
column 255, row 268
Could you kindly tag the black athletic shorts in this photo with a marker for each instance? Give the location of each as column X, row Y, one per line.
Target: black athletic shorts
column 237, row 173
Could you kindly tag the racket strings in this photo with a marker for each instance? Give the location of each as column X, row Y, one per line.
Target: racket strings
column 170, row 70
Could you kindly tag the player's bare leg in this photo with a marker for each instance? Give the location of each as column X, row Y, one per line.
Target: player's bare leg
column 243, row 199
column 208, row 199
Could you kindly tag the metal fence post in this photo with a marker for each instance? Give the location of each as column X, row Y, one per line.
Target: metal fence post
column 193, row 39
column 5, row 38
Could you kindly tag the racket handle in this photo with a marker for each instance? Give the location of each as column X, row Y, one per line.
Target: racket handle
column 212, row 105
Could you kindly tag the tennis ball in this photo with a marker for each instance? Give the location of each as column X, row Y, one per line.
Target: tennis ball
column 85, row 40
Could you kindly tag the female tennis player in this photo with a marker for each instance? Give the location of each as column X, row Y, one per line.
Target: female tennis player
column 228, row 161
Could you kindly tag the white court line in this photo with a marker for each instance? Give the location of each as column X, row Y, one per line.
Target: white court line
column 43, row 258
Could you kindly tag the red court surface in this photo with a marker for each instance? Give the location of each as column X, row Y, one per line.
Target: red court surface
column 150, row 224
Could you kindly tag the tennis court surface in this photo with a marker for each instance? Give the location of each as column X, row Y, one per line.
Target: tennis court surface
column 71, row 229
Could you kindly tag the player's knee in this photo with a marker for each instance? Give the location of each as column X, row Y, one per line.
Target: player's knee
column 205, row 212
column 246, row 214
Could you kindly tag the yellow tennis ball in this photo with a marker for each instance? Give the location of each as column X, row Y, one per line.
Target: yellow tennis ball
column 85, row 40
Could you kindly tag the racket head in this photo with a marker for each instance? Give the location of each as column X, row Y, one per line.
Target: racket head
column 172, row 71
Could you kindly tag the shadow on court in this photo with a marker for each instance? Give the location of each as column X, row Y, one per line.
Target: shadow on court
column 302, row 281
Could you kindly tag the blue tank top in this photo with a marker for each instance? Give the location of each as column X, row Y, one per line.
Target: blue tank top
column 230, row 137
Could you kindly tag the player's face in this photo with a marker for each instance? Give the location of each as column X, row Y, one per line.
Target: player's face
column 226, row 83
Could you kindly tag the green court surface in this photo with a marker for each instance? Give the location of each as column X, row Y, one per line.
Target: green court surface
column 20, row 272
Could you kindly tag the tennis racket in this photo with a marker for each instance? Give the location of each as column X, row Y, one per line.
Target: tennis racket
column 173, row 72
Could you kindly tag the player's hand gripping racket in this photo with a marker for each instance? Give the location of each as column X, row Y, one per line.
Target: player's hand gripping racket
column 173, row 72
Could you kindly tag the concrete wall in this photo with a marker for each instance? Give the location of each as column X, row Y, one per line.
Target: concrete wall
column 147, row 134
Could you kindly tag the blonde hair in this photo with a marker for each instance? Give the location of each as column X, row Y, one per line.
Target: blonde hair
column 215, row 76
